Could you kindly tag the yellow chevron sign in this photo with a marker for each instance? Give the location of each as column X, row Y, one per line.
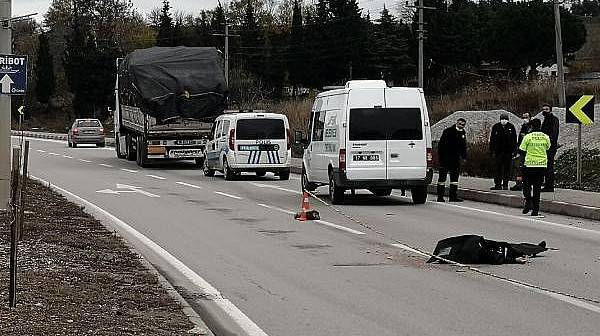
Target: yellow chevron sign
column 581, row 109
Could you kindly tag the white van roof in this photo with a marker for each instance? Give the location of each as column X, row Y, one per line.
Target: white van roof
column 366, row 84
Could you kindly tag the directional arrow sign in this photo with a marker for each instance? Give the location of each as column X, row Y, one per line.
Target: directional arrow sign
column 580, row 110
column 125, row 189
column 13, row 74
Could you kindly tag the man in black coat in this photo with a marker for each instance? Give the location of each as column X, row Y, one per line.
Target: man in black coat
column 550, row 127
column 452, row 148
column 503, row 142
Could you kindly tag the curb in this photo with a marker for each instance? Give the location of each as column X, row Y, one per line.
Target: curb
column 514, row 201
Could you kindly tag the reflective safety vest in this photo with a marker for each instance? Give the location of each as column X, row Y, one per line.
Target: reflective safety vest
column 535, row 145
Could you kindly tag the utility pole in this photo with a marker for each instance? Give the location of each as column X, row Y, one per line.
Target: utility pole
column 5, row 108
column 421, row 38
column 227, row 36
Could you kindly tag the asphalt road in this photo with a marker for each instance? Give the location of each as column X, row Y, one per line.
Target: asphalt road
column 339, row 276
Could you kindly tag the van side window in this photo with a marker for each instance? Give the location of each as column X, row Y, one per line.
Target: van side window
column 225, row 128
column 319, row 126
column 310, row 126
column 217, row 132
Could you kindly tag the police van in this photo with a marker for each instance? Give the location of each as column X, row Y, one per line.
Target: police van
column 256, row 142
column 369, row 136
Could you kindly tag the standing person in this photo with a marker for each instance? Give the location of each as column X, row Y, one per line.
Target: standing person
column 503, row 143
column 452, row 148
column 525, row 129
column 535, row 145
column 550, row 127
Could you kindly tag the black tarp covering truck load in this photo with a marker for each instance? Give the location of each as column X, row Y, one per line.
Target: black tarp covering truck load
column 166, row 100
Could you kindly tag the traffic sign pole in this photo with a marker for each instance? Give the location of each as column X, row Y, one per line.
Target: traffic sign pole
column 5, row 109
column 579, row 156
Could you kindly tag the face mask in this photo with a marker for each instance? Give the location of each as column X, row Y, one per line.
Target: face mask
column 504, row 122
column 526, row 119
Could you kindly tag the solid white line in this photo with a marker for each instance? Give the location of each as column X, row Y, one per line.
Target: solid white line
column 276, row 208
column 189, row 185
column 105, row 165
column 410, row 249
column 67, row 157
column 260, row 185
column 524, row 218
column 224, row 304
column 228, row 195
column 86, row 161
column 130, row 170
column 339, row 227
column 156, row 177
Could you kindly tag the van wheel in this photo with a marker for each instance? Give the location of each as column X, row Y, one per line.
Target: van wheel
column 306, row 184
column 228, row 174
column 336, row 194
column 419, row 194
column 207, row 171
column 381, row 192
column 284, row 175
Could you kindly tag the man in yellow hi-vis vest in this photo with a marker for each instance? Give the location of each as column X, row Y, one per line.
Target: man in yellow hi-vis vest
column 535, row 145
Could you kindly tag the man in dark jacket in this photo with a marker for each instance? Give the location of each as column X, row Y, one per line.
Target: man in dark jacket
column 525, row 129
column 550, row 127
column 503, row 142
column 452, row 148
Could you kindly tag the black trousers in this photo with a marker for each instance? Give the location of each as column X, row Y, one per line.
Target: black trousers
column 533, row 181
column 443, row 175
column 502, row 167
column 549, row 174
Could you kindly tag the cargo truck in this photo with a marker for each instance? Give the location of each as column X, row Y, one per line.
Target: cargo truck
column 166, row 99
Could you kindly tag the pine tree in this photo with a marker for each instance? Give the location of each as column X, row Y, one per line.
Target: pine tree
column 44, row 71
column 217, row 25
column 251, row 42
column 297, row 58
column 165, row 29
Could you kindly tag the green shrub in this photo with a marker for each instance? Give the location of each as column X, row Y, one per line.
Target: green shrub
column 566, row 170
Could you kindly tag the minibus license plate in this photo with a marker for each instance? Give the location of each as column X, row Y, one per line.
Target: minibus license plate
column 366, row 157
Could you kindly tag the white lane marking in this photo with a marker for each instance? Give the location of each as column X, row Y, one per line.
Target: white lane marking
column 410, row 249
column 156, row 177
column 524, row 218
column 260, row 185
column 189, row 185
column 339, row 227
column 86, row 161
column 211, row 293
column 322, row 222
column 227, row 195
column 276, row 208
column 130, row 170
column 54, row 154
column 41, row 151
column 67, row 157
column 105, row 165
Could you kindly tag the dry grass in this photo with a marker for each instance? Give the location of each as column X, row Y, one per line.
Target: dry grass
column 514, row 97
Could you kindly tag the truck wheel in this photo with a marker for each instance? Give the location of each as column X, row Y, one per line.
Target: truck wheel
column 261, row 173
column 336, row 194
column 381, row 192
column 306, row 184
column 118, row 147
column 419, row 194
column 142, row 152
column 207, row 171
column 131, row 153
column 227, row 172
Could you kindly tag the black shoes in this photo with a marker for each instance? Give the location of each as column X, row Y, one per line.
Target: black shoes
column 547, row 189
column 527, row 207
column 496, row 188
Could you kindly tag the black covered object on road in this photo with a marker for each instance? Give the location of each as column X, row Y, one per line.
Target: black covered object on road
column 170, row 82
column 473, row 249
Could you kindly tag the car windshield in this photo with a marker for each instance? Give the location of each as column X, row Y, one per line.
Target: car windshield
column 251, row 129
column 386, row 124
column 88, row 123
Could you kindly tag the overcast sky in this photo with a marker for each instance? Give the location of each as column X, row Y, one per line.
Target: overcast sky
column 22, row 7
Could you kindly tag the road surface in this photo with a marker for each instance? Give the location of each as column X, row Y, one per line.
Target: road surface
column 340, row 276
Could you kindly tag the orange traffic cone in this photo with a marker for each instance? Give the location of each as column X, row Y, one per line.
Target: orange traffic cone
column 303, row 214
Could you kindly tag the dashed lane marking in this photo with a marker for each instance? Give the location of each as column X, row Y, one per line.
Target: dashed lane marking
column 130, row 170
column 227, row 195
column 156, row 177
column 41, row 150
column 86, row 161
column 54, row 154
column 67, row 157
column 105, row 165
column 189, row 185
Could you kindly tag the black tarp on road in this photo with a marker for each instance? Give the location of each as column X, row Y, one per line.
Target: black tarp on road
column 169, row 82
